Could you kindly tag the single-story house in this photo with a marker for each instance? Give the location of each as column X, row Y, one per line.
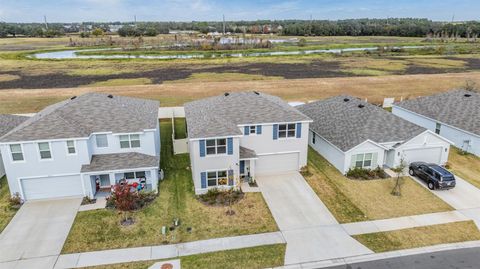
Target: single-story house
column 83, row 145
column 7, row 123
column 242, row 135
column 351, row 133
column 454, row 115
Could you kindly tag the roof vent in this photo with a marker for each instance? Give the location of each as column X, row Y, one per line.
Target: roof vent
column 255, row 92
column 110, row 96
column 73, row 97
column 226, row 94
column 346, row 100
column 467, row 95
column 361, row 106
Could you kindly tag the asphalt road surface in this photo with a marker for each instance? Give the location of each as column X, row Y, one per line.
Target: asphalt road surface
column 451, row 259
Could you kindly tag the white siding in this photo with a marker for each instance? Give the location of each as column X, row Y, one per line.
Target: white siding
column 427, row 141
column 455, row 135
column 365, row 148
column 2, row 167
column 334, row 155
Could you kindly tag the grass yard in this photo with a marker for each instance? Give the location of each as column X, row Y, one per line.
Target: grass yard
column 356, row 200
column 253, row 258
column 100, row 229
column 6, row 212
column 420, row 236
column 180, row 128
column 466, row 166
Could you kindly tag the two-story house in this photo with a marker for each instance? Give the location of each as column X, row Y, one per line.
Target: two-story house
column 81, row 145
column 243, row 135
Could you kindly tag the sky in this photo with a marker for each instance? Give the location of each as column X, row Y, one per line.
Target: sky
column 202, row 10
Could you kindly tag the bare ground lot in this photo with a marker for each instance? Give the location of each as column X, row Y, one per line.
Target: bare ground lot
column 29, row 74
column 373, row 88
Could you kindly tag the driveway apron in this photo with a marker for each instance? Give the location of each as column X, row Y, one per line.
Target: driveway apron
column 39, row 229
column 311, row 231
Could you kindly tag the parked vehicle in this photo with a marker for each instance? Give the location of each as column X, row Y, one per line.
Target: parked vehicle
column 434, row 175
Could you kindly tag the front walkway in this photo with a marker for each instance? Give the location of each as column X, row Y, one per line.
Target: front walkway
column 311, row 231
column 39, row 229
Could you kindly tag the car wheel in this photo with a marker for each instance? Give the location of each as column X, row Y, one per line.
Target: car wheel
column 411, row 172
column 431, row 186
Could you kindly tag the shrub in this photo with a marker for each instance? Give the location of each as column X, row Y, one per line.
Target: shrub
column 15, row 200
column 366, row 174
column 222, row 198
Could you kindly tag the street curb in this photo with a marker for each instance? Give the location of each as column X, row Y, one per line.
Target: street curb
column 380, row 256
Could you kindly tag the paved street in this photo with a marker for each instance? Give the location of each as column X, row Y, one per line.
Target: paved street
column 311, row 231
column 459, row 258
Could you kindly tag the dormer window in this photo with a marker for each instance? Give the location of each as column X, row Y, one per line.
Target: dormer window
column 130, row 141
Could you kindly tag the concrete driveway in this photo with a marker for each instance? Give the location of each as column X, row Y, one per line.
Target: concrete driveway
column 310, row 230
column 39, row 229
column 463, row 196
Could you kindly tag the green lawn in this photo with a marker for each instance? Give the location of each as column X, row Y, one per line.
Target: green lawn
column 357, row 200
column 420, row 236
column 100, row 229
column 466, row 166
column 252, row 258
column 180, row 128
column 6, row 212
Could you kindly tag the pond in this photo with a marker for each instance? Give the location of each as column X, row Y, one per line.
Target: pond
column 73, row 54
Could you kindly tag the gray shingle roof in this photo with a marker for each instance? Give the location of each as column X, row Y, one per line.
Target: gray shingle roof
column 346, row 125
column 220, row 115
column 246, row 153
column 451, row 108
column 8, row 122
column 120, row 161
column 86, row 114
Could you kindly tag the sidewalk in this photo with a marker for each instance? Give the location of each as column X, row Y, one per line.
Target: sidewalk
column 386, row 225
column 104, row 257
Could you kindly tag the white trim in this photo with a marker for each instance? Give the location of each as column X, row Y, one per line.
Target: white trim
column 366, row 141
column 119, row 170
column 216, row 148
column 286, row 131
column 96, row 141
column 129, row 141
column 74, row 145
column 434, row 120
column 216, row 170
column 278, row 153
column 118, row 134
column 40, row 155
column 216, row 137
column 273, row 123
column 11, row 154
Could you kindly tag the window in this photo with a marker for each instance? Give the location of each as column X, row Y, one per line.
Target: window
column 253, row 129
column 44, row 149
column 71, row 147
column 313, row 138
column 134, row 175
column 363, row 160
column 438, row 126
column 17, row 153
column 130, row 141
column 216, row 146
column 217, row 178
column 102, row 140
column 286, row 130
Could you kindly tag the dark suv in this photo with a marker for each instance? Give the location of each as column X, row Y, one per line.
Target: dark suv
column 434, row 175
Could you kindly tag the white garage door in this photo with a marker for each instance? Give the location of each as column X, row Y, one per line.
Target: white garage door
column 52, row 187
column 428, row 155
column 277, row 163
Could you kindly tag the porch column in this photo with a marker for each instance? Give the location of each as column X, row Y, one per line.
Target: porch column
column 154, row 179
column 252, row 168
column 112, row 179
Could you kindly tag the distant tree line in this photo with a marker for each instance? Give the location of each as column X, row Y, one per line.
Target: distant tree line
column 406, row 27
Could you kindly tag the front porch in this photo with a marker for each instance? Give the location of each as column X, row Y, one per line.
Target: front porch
column 247, row 164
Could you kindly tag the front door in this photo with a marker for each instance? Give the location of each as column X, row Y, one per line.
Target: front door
column 104, row 181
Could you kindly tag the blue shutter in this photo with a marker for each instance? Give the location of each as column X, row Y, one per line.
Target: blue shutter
column 275, row 131
column 230, row 145
column 242, row 167
column 203, row 177
column 230, row 177
column 246, row 130
column 299, row 130
column 202, row 148
column 259, row 129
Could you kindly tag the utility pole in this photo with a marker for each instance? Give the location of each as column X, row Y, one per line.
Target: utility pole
column 311, row 24
column 453, row 17
column 45, row 20
column 224, row 27
column 135, row 20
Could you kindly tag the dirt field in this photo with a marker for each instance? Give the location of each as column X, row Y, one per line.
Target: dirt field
column 373, row 88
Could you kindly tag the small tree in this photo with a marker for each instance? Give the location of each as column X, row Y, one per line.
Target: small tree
column 302, row 42
column 397, row 189
column 470, row 86
column 98, row 32
column 125, row 200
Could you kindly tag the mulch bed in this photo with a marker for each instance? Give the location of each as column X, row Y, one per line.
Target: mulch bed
column 220, row 198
